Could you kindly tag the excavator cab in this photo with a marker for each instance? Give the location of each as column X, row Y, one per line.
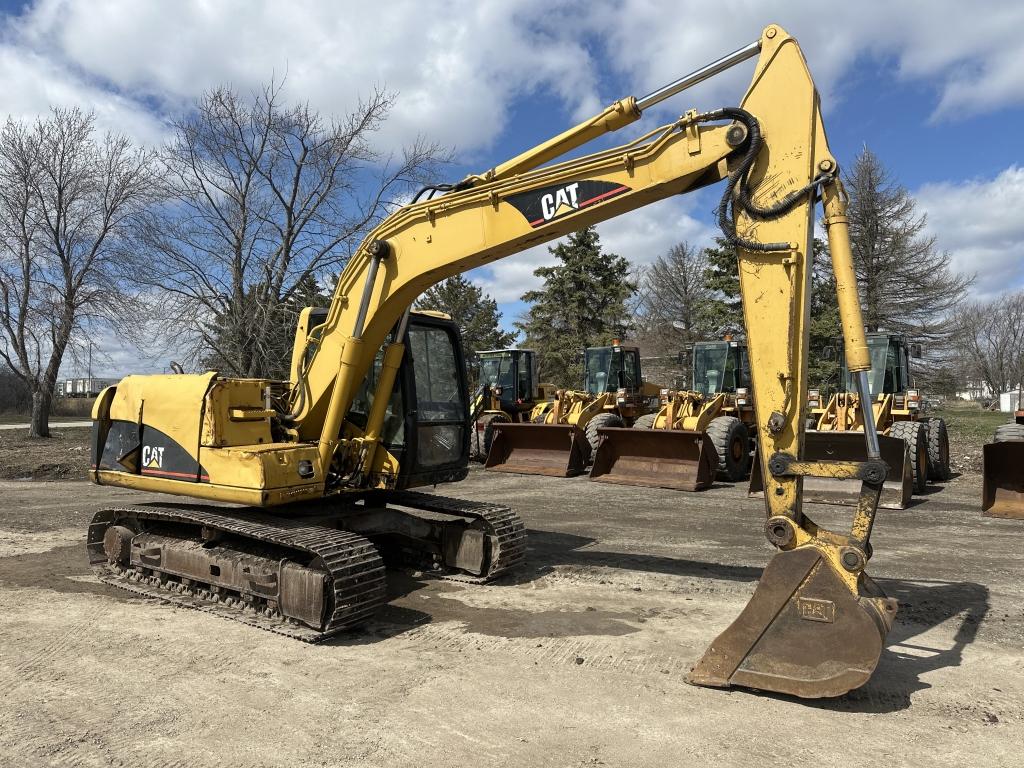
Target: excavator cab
column 424, row 424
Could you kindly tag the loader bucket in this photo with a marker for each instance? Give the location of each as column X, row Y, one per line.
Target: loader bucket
column 849, row 446
column 677, row 459
column 1002, row 489
column 556, row 450
column 803, row 633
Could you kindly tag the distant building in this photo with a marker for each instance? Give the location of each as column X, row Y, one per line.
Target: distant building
column 82, row 387
column 1009, row 401
column 975, row 390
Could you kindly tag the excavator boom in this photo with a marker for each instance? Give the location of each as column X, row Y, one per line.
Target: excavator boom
column 816, row 623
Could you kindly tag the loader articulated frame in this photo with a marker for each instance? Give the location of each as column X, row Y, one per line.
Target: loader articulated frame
column 816, row 623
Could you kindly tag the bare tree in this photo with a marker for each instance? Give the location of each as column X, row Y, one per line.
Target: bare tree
column 990, row 341
column 265, row 198
column 906, row 285
column 66, row 201
column 675, row 296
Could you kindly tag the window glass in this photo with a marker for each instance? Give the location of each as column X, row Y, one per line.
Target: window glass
column 525, row 389
column 438, row 395
column 496, row 370
column 393, row 430
column 631, row 370
column 710, row 365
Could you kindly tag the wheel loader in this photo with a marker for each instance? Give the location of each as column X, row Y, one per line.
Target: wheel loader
column 509, row 393
column 561, row 440
column 301, row 489
column 915, row 447
column 696, row 433
column 1002, row 490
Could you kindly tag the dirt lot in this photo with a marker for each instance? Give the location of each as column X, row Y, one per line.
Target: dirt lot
column 64, row 456
column 580, row 661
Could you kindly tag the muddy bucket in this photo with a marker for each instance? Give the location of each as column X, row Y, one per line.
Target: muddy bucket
column 849, row 446
column 658, row 458
column 556, row 450
column 1002, row 489
column 803, row 633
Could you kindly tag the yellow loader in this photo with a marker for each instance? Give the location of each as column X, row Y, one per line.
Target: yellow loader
column 509, row 393
column 311, row 475
column 915, row 447
column 561, row 440
column 695, row 435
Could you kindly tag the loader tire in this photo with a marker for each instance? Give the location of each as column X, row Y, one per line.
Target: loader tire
column 1006, row 433
column 646, row 421
column 938, row 450
column 811, row 424
column 732, row 441
column 915, row 435
column 482, row 438
column 601, row 420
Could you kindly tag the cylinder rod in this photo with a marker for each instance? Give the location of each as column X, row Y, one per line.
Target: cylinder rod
column 699, row 75
column 868, row 415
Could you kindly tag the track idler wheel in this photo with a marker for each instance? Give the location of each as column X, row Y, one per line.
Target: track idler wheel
column 803, row 633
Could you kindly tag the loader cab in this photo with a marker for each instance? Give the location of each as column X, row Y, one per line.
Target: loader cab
column 890, row 364
column 425, row 426
column 609, row 369
column 720, row 366
column 510, row 374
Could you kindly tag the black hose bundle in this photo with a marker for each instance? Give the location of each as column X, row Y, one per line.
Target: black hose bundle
column 741, row 177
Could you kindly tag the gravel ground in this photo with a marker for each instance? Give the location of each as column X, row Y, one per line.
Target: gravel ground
column 579, row 661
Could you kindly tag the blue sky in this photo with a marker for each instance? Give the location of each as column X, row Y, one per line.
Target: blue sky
column 934, row 88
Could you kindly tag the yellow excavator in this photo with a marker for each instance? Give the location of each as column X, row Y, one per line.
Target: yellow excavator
column 318, row 467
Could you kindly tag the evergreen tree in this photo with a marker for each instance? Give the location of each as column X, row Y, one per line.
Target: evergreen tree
column 723, row 313
column 473, row 311
column 906, row 285
column 825, row 326
column 582, row 304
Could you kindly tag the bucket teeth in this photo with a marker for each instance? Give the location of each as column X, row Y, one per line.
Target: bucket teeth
column 803, row 633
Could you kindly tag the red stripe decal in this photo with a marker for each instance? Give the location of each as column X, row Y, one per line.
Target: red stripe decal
column 609, row 193
column 165, row 473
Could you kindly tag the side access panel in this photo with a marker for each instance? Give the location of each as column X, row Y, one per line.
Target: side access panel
column 1002, row 490
column 676, row 459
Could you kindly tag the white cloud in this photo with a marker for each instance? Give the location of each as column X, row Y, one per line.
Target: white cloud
column 459, row 67
column 974, row 221
column 640, row 236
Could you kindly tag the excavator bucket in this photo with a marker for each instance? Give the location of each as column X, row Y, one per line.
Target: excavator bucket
column 849, row 446
column 556, row 450
column 803, row 633
column 678, row 459
column 1002, row 489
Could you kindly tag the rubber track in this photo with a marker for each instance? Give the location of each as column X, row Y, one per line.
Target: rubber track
column 355, row 568
column 504, row 527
